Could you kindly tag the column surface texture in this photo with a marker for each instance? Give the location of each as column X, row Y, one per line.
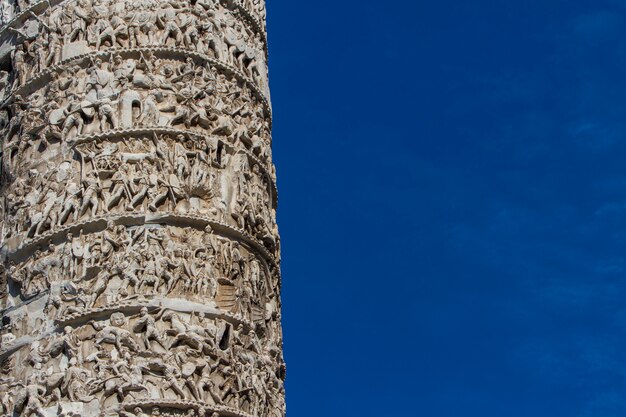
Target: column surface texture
column 140, row 272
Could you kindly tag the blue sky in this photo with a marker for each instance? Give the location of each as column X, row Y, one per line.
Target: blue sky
column 452, row 179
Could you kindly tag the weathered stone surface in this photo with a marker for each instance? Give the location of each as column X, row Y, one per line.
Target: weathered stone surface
column 140, row 271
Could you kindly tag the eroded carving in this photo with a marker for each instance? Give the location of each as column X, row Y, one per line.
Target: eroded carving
column 82, row 26
column 122, row 264
column 162, row 354
column 140, row 252
column 160, row 173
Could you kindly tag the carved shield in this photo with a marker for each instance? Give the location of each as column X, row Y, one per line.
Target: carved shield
column 250, row 52
column 78, row 250
column 188, row 369
column 231, row 37
column 56, row 117
column 184, row 94
column 173, row 180
column 142, row 81
column 88, row 108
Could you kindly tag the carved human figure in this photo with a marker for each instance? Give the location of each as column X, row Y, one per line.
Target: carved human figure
column 167, row 18
column 6, row 11
column 79, row 18
column 70, row 205
column 107, row 113
column 30, row 400
column 146, row 324
column 171, row 376
column 114, row 334
column 72, row 119
column 137, row 412
column 131, row 375
column 74, row 382
column 90, row 195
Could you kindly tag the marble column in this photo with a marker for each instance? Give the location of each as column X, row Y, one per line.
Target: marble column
column 141, row 257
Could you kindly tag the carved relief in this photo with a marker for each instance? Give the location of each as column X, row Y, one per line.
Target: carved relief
column 85, row 272
column 164, row 173
column 140, row 252
column 257, row 9
column 129, row 93
column 80, row 27
column 108, row 362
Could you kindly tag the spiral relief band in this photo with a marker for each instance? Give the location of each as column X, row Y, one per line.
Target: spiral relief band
column 140, row 271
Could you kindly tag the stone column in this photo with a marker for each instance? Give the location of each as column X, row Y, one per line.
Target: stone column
column 140, row 272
